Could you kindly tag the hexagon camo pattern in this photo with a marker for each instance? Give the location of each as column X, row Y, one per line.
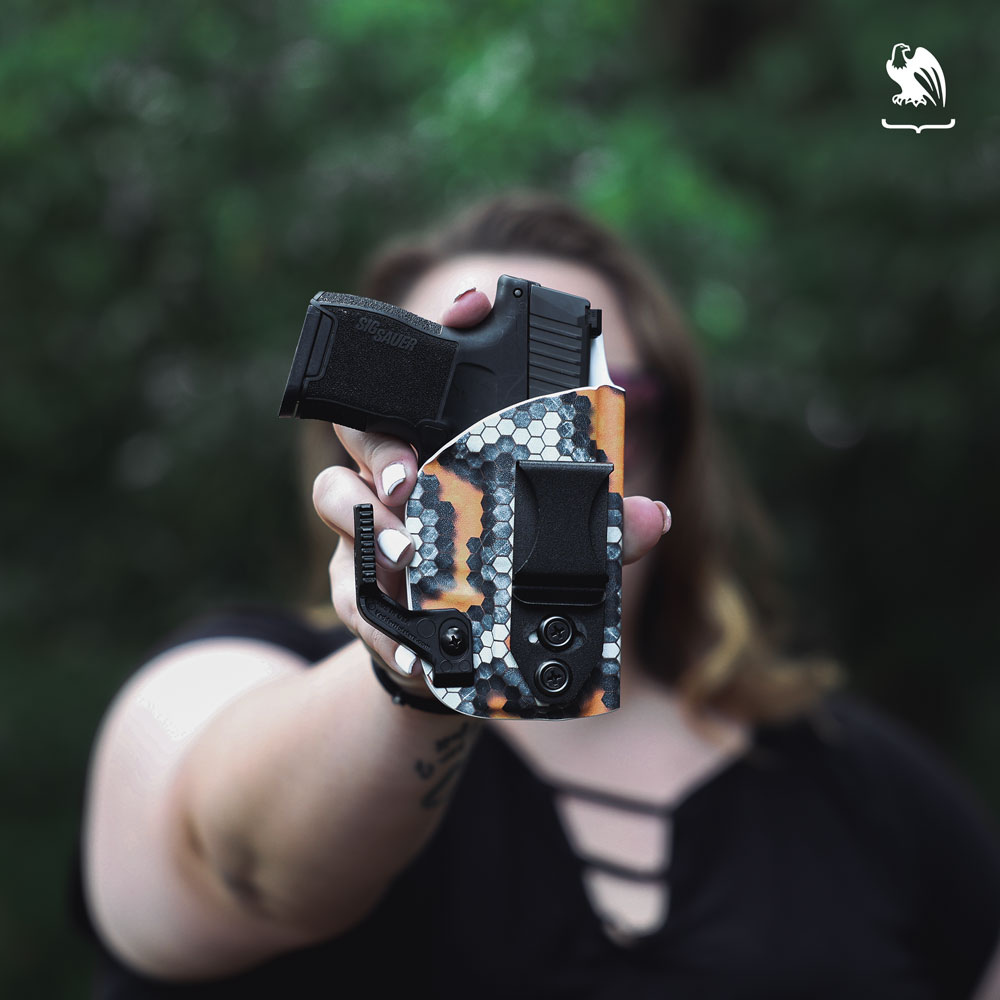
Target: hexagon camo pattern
column 464, row 557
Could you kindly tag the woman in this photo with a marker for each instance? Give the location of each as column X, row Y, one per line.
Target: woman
column 733, row 830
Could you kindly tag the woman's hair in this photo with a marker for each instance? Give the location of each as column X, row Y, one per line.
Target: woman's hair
column 711, row 618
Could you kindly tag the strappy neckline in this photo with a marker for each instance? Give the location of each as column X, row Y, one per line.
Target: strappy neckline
column 548, row 790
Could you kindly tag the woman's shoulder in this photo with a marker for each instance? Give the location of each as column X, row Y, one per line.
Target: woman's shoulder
column 894, row 788
column 849, row 730
column 850, row 737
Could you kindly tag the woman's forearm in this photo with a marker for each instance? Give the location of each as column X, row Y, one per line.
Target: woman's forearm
column 301, row 801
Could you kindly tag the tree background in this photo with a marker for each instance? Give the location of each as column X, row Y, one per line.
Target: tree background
column 176, row 180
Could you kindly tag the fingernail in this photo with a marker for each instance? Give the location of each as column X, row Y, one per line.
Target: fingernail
column 667, row 518
column 392, row 476
column 405, row 661
column 392, row 543
column 465, row 289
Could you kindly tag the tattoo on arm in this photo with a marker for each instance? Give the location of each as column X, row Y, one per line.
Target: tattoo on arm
column 433, row 797
column 446, row 749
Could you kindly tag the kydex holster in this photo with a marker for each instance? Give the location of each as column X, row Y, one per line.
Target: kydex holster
column 514, row 592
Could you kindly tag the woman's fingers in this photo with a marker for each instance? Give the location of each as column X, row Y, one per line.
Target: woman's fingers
column 646, row 522
column 469, row 308
column 336, row 491
column 385, row 461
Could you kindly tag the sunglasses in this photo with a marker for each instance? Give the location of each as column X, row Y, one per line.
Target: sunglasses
column 645, row 396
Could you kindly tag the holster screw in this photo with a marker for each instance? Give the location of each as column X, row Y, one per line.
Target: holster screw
column 453, row 640
column 557, row 632
column 553, row 677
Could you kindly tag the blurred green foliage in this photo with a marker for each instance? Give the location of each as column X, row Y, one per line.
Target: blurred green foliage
column 178, row 179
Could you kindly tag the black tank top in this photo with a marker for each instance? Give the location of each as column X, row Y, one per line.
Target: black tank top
column 837, row 858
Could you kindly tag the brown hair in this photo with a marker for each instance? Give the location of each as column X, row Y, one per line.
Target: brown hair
column 712, row 618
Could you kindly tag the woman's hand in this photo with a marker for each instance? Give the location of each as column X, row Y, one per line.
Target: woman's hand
column 387, row 473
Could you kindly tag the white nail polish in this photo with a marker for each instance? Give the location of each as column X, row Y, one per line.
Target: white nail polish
column 667, row 516
column 392, row 543
column 392, row 476
column 405, row 660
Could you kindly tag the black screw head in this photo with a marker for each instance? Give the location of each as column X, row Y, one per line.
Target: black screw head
column 453, row 640
column 552, row 677
column 556, row 632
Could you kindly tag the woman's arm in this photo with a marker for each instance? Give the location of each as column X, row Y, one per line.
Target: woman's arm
column 240, row 805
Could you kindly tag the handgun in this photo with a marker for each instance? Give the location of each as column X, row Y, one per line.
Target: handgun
column 514, row 590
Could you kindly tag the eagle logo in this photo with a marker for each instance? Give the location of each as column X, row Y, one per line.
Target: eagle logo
column 921, row 81
column 920, row 76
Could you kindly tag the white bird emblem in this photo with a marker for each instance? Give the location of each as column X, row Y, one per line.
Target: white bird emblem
column 920, row 76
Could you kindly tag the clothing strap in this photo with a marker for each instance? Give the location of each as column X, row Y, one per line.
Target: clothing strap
column 400, row 696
